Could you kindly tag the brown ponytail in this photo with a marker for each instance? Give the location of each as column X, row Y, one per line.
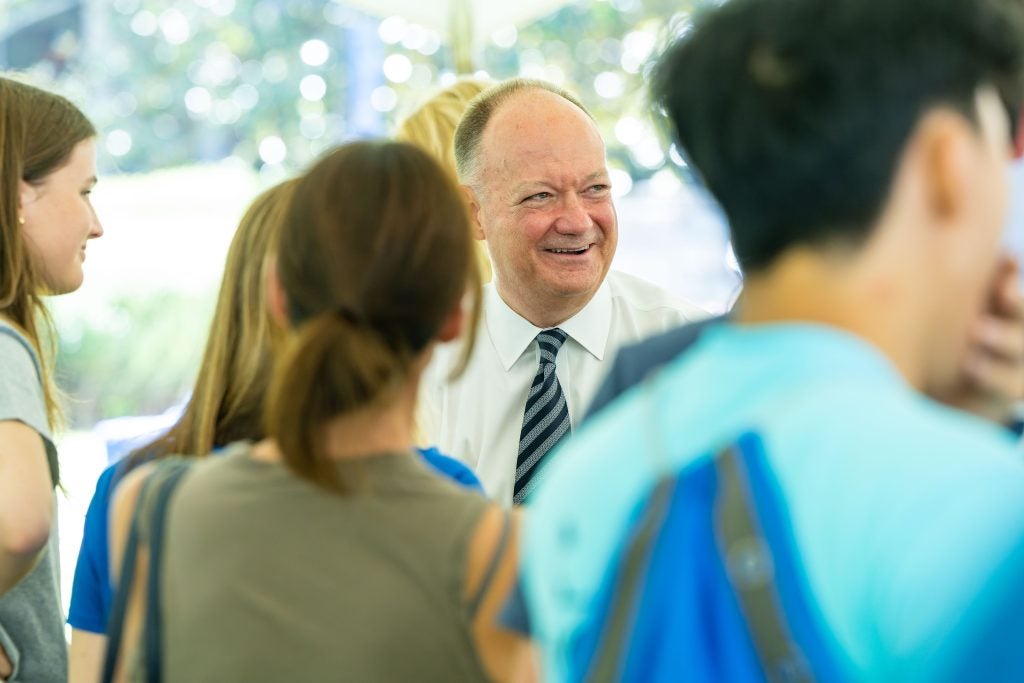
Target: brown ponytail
column 375, row 252
column 331, row 367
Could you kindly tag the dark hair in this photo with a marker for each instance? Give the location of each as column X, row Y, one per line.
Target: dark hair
column 795, row 112
column 375, row 252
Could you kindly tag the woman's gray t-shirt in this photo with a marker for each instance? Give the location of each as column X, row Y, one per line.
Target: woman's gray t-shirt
column 31, row 619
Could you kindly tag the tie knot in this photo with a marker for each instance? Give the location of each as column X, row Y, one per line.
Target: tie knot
column 549, row 342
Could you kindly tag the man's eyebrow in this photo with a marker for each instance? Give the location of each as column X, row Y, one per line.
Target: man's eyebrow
column 535, row 184
column 530, row 185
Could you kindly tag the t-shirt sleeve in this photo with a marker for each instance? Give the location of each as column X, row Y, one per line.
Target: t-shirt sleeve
column 91, row 593
column 21, row 389
column 452, row 468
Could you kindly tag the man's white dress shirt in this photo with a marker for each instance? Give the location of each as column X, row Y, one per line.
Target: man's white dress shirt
column 478, row 417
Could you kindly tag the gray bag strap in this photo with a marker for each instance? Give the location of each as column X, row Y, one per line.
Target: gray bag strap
column 147, row 530
column 751, row 572
column 613, row 650
column 492, row 566
column 741, row 546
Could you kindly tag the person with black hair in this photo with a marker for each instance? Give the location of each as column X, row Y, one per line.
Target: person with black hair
column 859, row 149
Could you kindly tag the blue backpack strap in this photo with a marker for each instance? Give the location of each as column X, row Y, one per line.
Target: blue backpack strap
column 147, row 530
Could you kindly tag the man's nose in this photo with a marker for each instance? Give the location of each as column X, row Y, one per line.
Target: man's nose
column 574, row 216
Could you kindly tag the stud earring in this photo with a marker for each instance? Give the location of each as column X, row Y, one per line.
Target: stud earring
column 21, row 220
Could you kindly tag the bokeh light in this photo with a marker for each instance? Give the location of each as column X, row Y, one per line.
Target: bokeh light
column 315, row 52
column 273, row 150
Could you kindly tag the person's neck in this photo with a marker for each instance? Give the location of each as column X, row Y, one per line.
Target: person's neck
column 854, row 295
column 372, row 430
column 543, row 312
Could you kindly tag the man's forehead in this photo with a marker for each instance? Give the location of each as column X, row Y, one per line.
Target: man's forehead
column 537, row 136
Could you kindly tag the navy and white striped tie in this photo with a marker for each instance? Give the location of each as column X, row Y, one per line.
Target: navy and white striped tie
column 546, row 419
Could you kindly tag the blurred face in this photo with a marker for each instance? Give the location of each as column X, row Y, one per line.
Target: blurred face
column 59, row 219
column 543, row 203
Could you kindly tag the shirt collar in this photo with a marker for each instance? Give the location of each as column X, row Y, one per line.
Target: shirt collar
column 511, row 333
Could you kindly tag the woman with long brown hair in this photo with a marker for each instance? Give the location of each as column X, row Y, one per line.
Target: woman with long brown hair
column 226, row 405
column 47, row 170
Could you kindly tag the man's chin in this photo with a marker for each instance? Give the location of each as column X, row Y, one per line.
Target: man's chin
column 569, row 287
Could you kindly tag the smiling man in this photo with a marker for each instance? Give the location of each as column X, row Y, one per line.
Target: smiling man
column 532, row 163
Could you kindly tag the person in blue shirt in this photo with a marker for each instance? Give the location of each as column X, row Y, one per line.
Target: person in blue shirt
column 225, row 406
column 859, row 149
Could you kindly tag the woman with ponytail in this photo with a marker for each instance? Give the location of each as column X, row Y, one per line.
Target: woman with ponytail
column 226, row 405
column 328, row 551
column 47, row 170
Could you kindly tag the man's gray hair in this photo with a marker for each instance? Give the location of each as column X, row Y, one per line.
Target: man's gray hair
column 470, row 130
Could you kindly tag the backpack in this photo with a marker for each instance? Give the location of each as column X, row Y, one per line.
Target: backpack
column 709, row 586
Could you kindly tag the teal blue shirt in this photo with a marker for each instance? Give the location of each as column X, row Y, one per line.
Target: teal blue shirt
column 904, row 511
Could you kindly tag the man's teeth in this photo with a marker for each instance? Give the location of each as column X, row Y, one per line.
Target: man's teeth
column 568, row 251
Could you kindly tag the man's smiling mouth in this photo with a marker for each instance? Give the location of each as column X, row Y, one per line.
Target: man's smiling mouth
column 577, row 250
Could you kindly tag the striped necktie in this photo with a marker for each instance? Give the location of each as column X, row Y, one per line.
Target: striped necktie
column 546, row 419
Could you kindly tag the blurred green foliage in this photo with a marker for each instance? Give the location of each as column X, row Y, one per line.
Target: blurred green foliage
column 188, row 82
column 175, row 82
column 138, row 359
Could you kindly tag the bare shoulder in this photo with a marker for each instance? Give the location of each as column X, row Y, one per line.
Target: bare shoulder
column 497, row 531
column 491, row 575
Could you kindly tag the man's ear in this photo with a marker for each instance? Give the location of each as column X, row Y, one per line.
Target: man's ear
column 473, row 204
column 277, row 300
column 451, row 326
column 944, row 153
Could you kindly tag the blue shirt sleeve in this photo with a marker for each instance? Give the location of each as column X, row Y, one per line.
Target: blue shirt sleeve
column 452, row 468
column 91, row 593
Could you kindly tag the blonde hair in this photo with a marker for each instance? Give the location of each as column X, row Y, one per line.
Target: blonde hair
column 227, row 402
column 38, row 132
column 375, row 253
column 432, row 128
